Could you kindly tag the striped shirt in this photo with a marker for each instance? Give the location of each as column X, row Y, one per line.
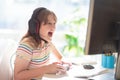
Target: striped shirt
column 36, row 57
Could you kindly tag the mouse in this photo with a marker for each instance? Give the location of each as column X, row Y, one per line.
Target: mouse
column 88, row 66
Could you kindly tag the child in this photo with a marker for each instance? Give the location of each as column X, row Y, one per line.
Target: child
column 32, row 59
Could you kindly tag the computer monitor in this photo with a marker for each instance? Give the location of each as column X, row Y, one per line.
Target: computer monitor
column 104, row 16
column 103, row 33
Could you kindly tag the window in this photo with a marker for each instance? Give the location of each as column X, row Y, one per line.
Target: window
column 71, row 15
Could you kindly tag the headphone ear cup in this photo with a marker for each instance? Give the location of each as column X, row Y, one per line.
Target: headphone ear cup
column 33, row 26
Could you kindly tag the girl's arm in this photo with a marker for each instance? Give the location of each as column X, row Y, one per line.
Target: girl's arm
column 57, row 54
column 21, row 71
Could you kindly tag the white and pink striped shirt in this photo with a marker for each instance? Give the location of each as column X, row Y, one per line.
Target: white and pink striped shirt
column 36, row 57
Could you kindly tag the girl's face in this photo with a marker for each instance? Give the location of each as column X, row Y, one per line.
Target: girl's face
column 46, row 30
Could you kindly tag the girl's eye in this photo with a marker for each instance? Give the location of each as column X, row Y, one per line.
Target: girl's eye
column 50, row 23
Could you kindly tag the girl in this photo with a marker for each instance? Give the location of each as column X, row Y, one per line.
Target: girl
column 32, row 59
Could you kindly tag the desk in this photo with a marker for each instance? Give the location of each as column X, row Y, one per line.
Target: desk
column 77, row 70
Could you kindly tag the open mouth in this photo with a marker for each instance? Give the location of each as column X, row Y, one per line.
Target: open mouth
column 50, row 34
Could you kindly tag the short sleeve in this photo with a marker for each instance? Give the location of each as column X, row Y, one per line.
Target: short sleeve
column 24, row 51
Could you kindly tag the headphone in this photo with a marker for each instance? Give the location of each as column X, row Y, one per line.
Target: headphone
column 34, row 23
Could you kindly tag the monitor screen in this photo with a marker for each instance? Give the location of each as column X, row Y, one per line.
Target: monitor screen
column 103, row 26
column 103, row 32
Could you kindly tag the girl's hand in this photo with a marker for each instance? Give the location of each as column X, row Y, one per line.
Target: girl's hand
column 55, row 68
column 67, row 63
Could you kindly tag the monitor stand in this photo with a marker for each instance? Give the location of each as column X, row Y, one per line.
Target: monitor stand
column 117, row 71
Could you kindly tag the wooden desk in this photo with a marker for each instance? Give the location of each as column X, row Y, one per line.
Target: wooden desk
column 78, row 70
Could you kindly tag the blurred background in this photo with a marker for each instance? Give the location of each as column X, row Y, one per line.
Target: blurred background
column 72, row 17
